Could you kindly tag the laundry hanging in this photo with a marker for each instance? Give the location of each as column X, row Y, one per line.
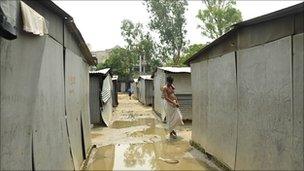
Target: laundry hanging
column 33, row 22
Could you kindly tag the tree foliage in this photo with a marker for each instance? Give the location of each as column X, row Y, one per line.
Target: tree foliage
column 121, row 61
column 140, row 43
column 189, row 52
column 218, row 17
column 168, row 20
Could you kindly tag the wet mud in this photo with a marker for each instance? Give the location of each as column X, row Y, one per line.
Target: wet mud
column 137, row 140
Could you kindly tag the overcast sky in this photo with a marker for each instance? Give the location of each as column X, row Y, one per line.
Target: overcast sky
column 100, row 21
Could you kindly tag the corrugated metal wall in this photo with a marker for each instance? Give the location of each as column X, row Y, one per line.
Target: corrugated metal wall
column 249, row 114
column 44, row 101
column 185, row 101
column 182, row 82
column 142, row 91
column 145, row 91
column 77, row 100
column 107, row 107
column 134, row 89
column 159, row 80
column 50, row 139
column 149, row 92
column 95, row 92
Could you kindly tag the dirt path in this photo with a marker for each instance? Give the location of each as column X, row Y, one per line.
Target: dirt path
column 137, row 140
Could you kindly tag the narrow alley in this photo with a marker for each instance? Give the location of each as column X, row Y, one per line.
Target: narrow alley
column 137, row 140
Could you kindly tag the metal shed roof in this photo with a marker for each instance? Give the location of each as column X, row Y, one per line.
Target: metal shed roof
column 115, row 77
column 299, row 8
column 145, row 77
column 72, row 28
column 102, row 71
column 176, row 69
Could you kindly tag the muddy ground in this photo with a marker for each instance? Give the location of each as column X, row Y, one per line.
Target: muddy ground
column 137, row 140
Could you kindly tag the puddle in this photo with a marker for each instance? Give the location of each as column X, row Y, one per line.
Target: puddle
column 136, row 140
column 129, row 123
column 95, row 135
column 146, row 156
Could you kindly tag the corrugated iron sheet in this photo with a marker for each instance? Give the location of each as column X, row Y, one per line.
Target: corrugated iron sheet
column 102, row 71
column 115, row 77
column 145, row 77
column 176, row 69
column 105, row 94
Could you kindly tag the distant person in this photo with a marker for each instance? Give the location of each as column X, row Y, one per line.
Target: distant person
column 129, row 92
column 171, row 107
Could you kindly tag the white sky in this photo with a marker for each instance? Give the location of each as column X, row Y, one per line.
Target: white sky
column 100, row 21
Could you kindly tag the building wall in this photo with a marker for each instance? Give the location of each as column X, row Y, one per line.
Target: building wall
column 77, row 100
column 17, row 100
column 265, row 107
column 134, row 89
column 95, row 92
column 248, row 109
column 115, row 95
column 142, row 91
column 149, row 92
column 159, row 80
column 49, row 130
column 44, row 101
column 182, row 82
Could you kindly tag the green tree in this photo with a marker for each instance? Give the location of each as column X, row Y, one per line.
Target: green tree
column 121, row 61
column 132, row 33
column 218, row 17
column 141, row 44
column 190, row 51
column 168, row 20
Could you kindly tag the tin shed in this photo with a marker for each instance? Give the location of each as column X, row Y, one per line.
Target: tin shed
column 135, row 88
column 115, row 90
column 145, row 89
column 101, row 92
column 44, row 88
column 182, row 82
column 248, row 93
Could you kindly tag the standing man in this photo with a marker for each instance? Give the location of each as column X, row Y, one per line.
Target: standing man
column 171, row 106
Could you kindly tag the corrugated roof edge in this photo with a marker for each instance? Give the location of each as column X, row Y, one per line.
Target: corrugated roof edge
column 104, row 71
column 277, row 14
column 145, row 77
column 73, row 29
column 167, row 71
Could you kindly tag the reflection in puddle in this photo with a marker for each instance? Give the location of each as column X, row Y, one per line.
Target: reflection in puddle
column 129, row 123
column 136, row 140
column 146, row 157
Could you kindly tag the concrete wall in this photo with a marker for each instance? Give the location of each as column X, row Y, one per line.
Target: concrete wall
column 249, row 114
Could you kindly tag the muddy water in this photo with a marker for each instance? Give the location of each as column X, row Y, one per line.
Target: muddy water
column 137, row 140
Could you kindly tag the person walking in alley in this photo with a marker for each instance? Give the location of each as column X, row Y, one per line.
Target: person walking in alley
column 130, row 92
column 171, row 107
